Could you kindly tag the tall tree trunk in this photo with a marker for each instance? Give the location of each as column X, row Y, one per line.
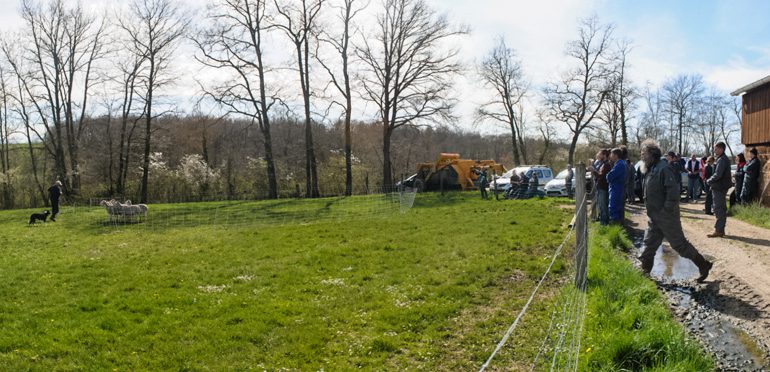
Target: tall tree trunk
column 572, row 147
column 33, row 162
column 387, row 178
column 523, row 149
column 515, row 146
column 147, row 134
column 348, row 150
column 111, row 151
column 120, row 183
column 271, row 178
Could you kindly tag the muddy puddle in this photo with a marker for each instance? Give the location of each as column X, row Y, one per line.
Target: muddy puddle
column 707, row 314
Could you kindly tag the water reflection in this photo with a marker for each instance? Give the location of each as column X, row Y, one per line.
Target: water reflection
column 669, row 265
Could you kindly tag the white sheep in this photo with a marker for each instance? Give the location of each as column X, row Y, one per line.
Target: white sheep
column 125, row 211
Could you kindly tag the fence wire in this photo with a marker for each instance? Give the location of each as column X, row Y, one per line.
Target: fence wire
column 226, row 214
column 559, row 349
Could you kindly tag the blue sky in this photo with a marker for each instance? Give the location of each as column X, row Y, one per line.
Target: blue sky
column 711, row 32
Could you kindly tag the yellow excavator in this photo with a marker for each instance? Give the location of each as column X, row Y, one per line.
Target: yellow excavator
column 450, row 172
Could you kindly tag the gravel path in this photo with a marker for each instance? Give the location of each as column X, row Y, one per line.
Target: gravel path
column 730, row 313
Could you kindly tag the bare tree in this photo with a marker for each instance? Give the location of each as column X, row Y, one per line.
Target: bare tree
column 22, row 98
column 154, row 28
column 577, row 97
column 610, row 116
column 408, row 72
column 681, row 94
column 234, row 43
column 501, row 71
column 130, row 68
column 299, row 21
column 732, row 127
column 651, row 119
column 341, row 80
column 65, row 43
column 547, row 133
column 5, row 139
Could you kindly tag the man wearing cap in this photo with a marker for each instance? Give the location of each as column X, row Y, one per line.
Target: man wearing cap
column 54, row 192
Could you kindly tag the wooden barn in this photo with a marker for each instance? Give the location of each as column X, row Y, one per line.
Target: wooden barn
column 755, row 127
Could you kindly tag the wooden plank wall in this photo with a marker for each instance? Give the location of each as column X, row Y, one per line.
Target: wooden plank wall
column 756, row 116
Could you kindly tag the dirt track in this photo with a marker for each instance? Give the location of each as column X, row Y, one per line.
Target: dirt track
column 737, row 292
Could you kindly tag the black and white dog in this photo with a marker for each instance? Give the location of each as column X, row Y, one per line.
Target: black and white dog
column 38, row 216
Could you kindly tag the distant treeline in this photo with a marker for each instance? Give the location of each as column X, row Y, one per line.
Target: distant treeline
column 198, row 158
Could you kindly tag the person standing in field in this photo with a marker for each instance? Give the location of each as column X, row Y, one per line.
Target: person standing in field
column 661, row 198
column 483, row 183
column 750, row 177
column 708, row 171
column 568, row 181
column 720, row 182
column 616, row 180
column 54, row 193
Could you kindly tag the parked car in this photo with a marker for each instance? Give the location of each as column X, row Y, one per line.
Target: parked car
column 558, row 185
column 503, row 182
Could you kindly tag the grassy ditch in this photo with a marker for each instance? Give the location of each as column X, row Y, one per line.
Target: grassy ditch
column 299, row 285
column 628, row 324
column 754, row 214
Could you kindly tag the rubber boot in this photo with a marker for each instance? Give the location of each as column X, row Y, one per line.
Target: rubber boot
column 646, row 266
column 704, row 266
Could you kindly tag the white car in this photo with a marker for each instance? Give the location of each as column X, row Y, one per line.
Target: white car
column 558, row 185
column 503, row 183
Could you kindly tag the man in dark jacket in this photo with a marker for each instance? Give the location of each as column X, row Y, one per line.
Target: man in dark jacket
column 751, row 177
column 708, row 172
column 54, row 193
column 720, row 182
column 661, row 197
column 693, row 169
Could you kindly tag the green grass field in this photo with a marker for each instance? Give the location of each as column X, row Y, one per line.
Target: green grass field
column 628, row 325
column 332, row 284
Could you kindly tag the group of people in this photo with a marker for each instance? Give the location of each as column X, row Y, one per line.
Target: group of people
column 746, row 178
column 522, row 186
column 699, row 170
column 613, row 182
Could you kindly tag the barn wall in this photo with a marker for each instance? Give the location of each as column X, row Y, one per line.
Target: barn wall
column 756, row 116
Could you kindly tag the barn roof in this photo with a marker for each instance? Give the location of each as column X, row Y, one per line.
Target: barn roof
column 752, row 86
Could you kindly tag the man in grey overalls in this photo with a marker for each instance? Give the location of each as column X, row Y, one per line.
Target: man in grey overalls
column 661, row 197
